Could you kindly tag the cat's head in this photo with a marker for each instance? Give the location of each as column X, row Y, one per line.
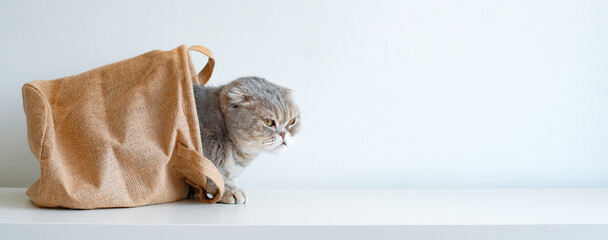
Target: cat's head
column 260, row 116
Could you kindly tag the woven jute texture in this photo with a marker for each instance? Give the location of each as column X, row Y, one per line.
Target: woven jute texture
column 121, row 135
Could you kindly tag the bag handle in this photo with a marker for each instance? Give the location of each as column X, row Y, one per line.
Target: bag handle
column 197, row 169
column 205, row 74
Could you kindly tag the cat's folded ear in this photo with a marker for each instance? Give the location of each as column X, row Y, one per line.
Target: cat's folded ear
column 236, row 96
column 287, row 91
column 233, row 96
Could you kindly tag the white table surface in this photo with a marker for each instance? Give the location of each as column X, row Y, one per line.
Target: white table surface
column 353, row 214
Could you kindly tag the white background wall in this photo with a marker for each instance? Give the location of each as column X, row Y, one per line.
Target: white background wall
column 393, row 93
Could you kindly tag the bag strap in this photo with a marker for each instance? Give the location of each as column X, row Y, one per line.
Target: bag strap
column 197, row 169
column 205, row 74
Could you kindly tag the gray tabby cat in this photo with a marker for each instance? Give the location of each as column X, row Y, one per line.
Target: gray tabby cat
column 241, row 119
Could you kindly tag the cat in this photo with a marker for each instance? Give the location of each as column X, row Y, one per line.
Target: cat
column 240, row 120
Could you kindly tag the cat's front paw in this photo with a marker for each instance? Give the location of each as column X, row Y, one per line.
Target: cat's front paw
column 211, row 190
column 234, row 196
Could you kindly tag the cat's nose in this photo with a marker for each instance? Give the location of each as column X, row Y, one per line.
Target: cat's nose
column 282, row 135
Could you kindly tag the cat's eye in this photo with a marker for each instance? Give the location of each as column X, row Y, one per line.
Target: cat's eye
column 292, row 121
column 268, row 122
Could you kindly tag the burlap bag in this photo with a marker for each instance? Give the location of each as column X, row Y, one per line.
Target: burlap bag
column 122, row 135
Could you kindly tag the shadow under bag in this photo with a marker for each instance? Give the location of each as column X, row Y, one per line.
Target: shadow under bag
column 122, row 135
